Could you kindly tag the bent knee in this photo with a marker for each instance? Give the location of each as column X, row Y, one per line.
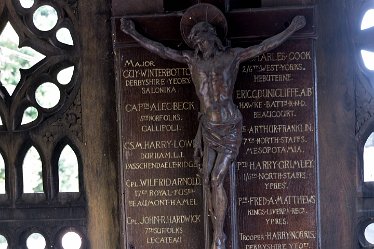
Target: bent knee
column 217, row 180
column 206, row 180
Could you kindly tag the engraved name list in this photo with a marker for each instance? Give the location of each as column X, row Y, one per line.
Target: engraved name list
column 276, row 169
column 162, row 193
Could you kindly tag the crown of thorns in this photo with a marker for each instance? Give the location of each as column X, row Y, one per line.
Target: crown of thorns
column 202, row 12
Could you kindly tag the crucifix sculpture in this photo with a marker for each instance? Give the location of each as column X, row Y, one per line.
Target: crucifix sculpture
column 214, row 69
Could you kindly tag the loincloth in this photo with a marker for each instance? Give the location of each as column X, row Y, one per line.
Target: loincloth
column 224, row 137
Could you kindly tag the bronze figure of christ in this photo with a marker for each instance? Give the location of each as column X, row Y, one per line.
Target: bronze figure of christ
column 214, row 69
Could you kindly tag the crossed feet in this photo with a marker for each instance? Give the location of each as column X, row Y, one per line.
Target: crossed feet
column 219, row 242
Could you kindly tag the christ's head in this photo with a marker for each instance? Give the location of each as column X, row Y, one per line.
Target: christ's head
column 204, row 38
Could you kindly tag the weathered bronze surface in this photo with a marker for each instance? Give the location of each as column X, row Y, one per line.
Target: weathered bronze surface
column 214, row 70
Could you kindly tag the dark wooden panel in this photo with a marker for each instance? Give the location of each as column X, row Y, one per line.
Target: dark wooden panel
column 337, row 150
column 99, row 150
column 221, row 4
column 259, row 23
column 277, row 3
column 335, row 90
column 240, row 4
column 172, row 5
column 157, row 27
column 140, row 96
column 127, row 7
column 254, row 24
column 120, row 7
column 163, row 205
column 277, row 169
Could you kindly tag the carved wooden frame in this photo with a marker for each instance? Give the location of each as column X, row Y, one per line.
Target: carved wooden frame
column 51, row 213
column 364, row 84
column 364, row 108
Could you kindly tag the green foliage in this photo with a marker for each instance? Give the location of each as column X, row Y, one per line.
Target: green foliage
column 46, row 12
column 12, row 59
column 31, row 113
column 10, row 69
column 65, row 172
column 2, row 173
column 39, row 188
column 3, row 241
column 68, row 170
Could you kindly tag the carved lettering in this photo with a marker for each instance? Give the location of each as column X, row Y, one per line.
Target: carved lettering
column 164, row 240
column 275, row 114
column 279, row 128
column 159, row 90
column 163, row 199
column 276, row 165
column 157, row 144
column 277, row 168
column 131, row 63
column 155, row 73
column 162, row 202
column 274, row 93
column 161, row 165
column 164, row 230
column 276, row 200
column 161, row 219
column 272, row 78
column 156, row 107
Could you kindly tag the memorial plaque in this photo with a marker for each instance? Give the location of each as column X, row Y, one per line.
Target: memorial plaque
column 272, row 190
column 276, row 170
column 162, row 192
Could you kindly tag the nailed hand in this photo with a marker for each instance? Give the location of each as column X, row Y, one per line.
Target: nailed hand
column 298, row 22
column 127, row 25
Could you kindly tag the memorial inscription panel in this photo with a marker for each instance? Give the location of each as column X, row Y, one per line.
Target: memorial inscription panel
column 276, row 170
column 162, row 192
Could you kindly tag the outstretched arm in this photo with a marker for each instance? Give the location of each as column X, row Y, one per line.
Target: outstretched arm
column 128, row 27
column 244, row 54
